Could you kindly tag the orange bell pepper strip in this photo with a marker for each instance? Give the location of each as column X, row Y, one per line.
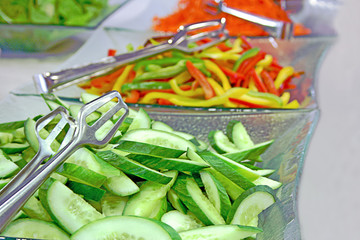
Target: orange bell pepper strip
column 201, row 78
column 132, row 96
column 269, row 83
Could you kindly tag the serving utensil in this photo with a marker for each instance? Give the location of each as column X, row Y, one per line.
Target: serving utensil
column 80, row 134
column 276, row 29
column 51, row 81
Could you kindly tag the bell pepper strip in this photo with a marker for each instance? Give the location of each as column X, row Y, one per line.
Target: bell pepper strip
column 126, row 87
column 132, row 96
column 223, row 47
column 216, row 86
column 213, row 67
column 233, row 76
column 122, row 78
column 201, row 78
column 189, row 93
column 163, row 101
column 283, row 75
column 285, row 98
column 111, row 52
column 218, row 56
column 236, row 46
column 182, row 77
column 269, row 83
column 246, row 55
column 166, row 72
column 245, row 42
column 258, row 82
column 265, row 62
column 292, row 104
column 164, row 62
column 152, row 67
column 246, row 103
column 271, row 98
column 252, row 63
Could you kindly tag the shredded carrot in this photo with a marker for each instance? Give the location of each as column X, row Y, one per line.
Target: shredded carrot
column 190, row 11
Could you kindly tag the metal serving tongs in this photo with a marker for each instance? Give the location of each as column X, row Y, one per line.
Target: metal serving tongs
column 276, row 29
column 48, row 82
column 80, row 133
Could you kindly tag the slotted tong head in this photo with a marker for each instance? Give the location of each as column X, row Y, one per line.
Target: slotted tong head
column 78, row 133
column 48, row 82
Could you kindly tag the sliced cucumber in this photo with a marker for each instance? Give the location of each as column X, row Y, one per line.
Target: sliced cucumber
column 5, row 138
column 250, row 204
column 221, row 164
column 126, row 227
column 193, row 198
column 11, row 126
column 35, row 229
column 18, row 160
column 220, row 232
column 161, row 126
column 175, row 201
column 4, row 181
column 149, row 198
column 180, row 221
column 268, row 182
column 141, row 120
column 80, row 174
column 168, row 163
column 7, row 167
column 252, row 153
column 113, row 205
column 88, row 192
column 146, row 148
column 34, row 209
column 216, row 193
column 220, row 142
column 65, row 207
column 238, row 134
column 160, row 138
column 121, row 185
column 11, row 148
column 74, row 112
column 132, row 167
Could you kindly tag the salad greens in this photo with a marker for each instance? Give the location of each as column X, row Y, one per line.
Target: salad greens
column 61, row 12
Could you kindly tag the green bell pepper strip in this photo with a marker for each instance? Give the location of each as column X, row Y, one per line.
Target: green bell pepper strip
column 164, row 62
column 162, row 73
column 145, row 86
column 152, row 67
column 269, row 96
column 246, row 55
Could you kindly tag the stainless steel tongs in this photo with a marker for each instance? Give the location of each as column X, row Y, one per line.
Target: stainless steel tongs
column 276, row 29
column 48, row 82
column 79, row 133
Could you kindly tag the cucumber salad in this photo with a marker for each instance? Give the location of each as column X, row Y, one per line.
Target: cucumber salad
column 150, row 182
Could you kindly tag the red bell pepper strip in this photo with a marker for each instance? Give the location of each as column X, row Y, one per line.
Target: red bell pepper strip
column 269, row 83
column 163, row 101
column 246, row 104
column 252, row 62
column 201, row 78
column 111, row 52
column 258, row 81
column 132, row 97
column 233, row 76
column 245, row 42
column 223, row 47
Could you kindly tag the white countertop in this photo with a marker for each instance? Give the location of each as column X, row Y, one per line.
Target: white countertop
column 329, row 194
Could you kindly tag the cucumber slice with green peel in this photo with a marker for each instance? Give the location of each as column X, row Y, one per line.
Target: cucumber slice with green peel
column 113, row 205
column 68, row 209
column 18, row 160
column 187, row 136
column 220, row 142
column 238, row 134
column 175, row 201
column 160, row 209
column 236, row 174
column 19, row 135
column 268, row 182
column 5, row 138
column 220, row 232
column 126, row 227
column 149, row 198
column 146, row 148
column 216, row 193
column 75, row 109
column 4, row 181
column 158, row 137
column 88, row 192
column 81, row 174
column 141, row 120
column 161, row 126
column 59, row 177
column 34, row 209
column 11, row 126
column 121, row 185
column 132, row 167
column 53, row 101
column 11, row 148
column 194, row 199
column 7, row 167
column 181, row 221
column 265, row 172
column 250, row 204
column 34, row 229
column 125, row 125
column 28, row 154
column 251, row 153
column 164, row 164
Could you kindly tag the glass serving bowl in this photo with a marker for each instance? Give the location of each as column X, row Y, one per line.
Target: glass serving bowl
column 41, row 37
column 291, row 131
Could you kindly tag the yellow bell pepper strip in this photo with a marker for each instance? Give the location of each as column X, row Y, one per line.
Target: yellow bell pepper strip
column 236, row 46
column 246, row 55
column 122, row 78
column 243, row 103
column 213, row 67
column 253, row 98
column 285, row 97
column 284, row 73
column 126, row 87
column 216, row 86
column 200, row 77
column 292, row 104
column 189, row 93
column 268, row 96
column 266, row 61
column 218, row 56
column 182, row 77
